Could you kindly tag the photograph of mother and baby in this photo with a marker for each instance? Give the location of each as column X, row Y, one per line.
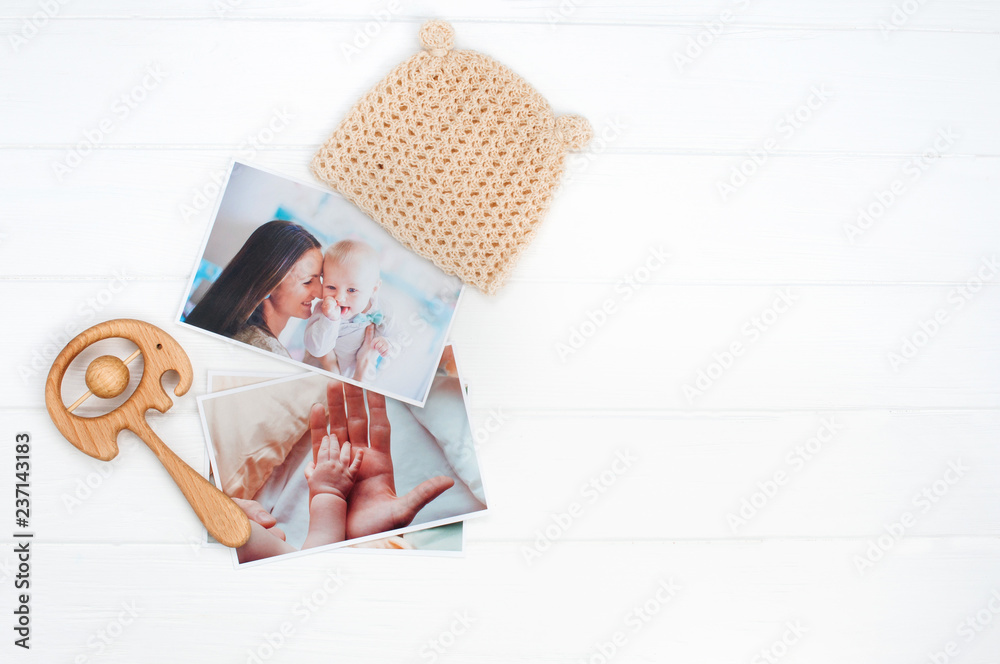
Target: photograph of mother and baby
column 303, row 274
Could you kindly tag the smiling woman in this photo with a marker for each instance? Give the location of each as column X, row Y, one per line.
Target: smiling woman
column 366, row 310
column 273, row 278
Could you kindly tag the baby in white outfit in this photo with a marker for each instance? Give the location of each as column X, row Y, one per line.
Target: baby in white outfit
column 351, row 279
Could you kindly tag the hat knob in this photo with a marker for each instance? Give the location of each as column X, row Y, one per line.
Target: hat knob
column 437, row 37
column 573, row 131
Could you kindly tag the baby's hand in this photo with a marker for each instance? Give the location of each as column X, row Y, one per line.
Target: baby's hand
column 330, row 308
column 381, row 344
column 333, row 471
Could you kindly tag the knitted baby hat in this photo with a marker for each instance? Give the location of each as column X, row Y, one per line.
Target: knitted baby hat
column 455, row 155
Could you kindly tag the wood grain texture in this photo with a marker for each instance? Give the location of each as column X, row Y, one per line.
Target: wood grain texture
column 787, row 225
column 731, row 100
column 98, row 436
column 119, row 235
column 742, row 593
column 955, row 16
column 830, row 350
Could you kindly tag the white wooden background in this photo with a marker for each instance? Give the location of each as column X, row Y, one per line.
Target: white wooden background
column 784, row 586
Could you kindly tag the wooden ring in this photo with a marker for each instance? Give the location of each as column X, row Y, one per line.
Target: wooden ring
column 97, row 436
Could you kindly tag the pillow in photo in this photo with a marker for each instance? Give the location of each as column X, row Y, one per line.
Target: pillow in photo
column 452, row 433
column 253, row 434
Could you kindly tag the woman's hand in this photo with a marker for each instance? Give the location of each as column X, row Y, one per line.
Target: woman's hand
column 327, row 363
column 381, row 346
column 372, row 506
column 256, row 513
column 265, row 539
column 364, row 361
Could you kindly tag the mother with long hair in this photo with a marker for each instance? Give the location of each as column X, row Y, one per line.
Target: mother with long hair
column 273, row 278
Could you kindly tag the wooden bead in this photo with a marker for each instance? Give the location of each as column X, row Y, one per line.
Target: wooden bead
column 98, row 436
column 107, row 376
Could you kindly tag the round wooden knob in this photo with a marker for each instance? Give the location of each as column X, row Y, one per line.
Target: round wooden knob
column 107, row 376
column 98, row 436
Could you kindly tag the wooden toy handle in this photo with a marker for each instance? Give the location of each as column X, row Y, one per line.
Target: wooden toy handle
column 223, row 518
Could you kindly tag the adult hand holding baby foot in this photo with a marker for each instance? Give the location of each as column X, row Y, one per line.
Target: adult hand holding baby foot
column 372, row 506
column 365, row 361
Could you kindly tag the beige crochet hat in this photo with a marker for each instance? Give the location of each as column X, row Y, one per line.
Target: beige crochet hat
column 455, row 155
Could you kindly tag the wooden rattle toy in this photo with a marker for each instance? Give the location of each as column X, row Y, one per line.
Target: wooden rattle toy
column 107, row 377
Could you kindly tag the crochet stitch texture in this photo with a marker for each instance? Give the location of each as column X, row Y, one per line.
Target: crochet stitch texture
column 455, row 155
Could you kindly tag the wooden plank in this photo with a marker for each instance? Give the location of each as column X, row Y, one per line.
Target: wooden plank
column 591, row 478
column 964, row 15
column 231, row 67
column 803, row 219
column 198, row 83
column 131, row 498
column 829, row 349
column 748, row 591
column 750, row 475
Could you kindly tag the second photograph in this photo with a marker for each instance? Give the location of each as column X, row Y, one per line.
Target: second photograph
column 334, row 465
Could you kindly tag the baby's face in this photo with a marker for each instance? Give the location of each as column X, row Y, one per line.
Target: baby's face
column 352, row 284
